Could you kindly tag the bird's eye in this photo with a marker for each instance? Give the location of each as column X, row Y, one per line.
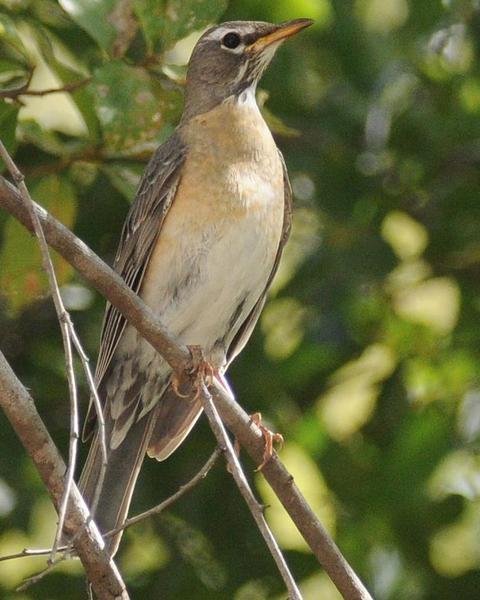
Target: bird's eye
column 231, row 40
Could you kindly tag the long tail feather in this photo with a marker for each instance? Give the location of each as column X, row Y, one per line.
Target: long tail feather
column 120, row 477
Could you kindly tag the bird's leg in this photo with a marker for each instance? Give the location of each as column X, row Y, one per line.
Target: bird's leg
column 176, row 382
column 200, row 372
column 269, row 437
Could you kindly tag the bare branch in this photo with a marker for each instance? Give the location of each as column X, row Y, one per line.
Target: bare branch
column 22, row 414
column 24, row 91
column 171, row 499
column 29, row 552
column 111, row 286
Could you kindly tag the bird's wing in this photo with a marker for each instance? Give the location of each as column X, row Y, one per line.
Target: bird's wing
column 248, row 325
column 140, row 232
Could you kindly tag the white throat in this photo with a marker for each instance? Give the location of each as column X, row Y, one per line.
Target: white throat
column 247, row 97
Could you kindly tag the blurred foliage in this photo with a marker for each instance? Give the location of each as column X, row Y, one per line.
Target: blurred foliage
column 367, row 355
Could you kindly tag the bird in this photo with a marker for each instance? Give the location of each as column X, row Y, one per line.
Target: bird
column 200, row 245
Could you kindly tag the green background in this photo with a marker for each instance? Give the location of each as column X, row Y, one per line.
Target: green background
column 366, row 357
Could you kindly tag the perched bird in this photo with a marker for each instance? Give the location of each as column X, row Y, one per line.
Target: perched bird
column 200, row 245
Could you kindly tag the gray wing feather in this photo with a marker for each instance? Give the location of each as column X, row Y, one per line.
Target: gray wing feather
column 140, row 232
column 245, row 331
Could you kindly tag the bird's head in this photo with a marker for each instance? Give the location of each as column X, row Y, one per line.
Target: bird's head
column 231, row 58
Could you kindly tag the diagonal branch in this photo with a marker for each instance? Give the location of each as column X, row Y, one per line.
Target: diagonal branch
column 255, row 508
column 22, row 414
column 111, row 286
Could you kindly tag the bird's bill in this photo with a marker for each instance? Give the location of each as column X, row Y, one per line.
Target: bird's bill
column 280, row 33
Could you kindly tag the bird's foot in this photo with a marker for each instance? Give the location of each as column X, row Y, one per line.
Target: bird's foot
column 201, row 373
column 178, row 381
column 270, row 438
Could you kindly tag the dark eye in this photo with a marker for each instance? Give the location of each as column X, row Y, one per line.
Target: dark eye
column 231, row 40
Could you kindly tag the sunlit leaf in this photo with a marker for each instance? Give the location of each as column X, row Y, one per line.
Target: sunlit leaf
column 455, row 549
column 407, row 237
column 434, row 303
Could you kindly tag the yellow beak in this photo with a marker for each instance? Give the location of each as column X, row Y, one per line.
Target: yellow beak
column 283, row 31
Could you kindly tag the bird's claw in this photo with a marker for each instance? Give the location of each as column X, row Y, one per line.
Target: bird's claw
column 201, row 373
column 270, row 438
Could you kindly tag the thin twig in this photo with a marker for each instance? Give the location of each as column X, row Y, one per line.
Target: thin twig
column 64, row 318
column 26, row 552
column 36, row 578
column 68, row 334
column 99, row 412
column 183, row 489
column 24, row 91
column 256, row 509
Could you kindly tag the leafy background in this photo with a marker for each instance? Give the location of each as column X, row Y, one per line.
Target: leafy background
column 367, row 354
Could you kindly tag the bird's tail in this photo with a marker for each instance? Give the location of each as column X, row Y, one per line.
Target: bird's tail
column 120, row 475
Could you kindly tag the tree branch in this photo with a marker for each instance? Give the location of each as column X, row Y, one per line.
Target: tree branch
column 22, row 414
column 111, row 286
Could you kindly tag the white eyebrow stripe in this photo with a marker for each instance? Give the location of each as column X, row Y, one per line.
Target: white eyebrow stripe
column 217, row 34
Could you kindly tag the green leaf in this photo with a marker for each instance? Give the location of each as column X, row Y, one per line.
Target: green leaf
column 93, row 17
column 164, row 23
column 22, row 279
column 134, row 118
